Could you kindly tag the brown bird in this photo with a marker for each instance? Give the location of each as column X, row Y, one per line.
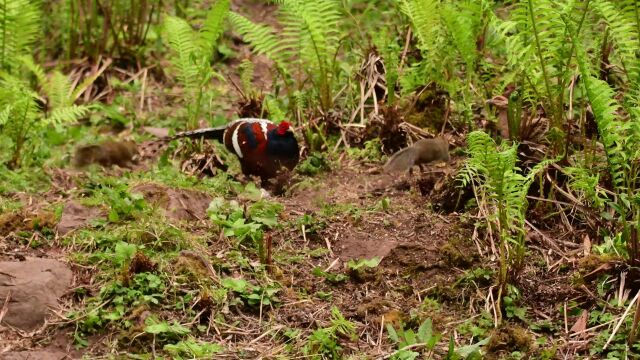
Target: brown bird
column 421, row 152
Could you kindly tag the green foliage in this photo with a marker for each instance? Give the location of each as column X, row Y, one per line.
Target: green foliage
column 371, row 151
column 192, row 51
column 18, row 116
column 501, row 190
column 304, row 50
column 314, row 164
column 19, row 30
column 193, row 349
column 323, row 342
column 253, row 296
column 21, row 119
column 143, row 289
column 91, row 28
column 407, row 337
column 329, row 277
column 621, row 140
column 447, row 34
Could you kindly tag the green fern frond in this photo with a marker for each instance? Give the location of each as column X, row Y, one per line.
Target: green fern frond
column 307, row 43
column 246, row 75
column 262, row 38
column 68, row 114
column 183, row 42
column 613, row 133
column 463, row 24
column 213, row 25
column 623, row 21
column 19, row 29
column 58, row 90
column 36, row 69
column 425, row 17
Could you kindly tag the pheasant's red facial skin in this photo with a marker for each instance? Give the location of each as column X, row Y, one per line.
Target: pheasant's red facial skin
column 283, row 127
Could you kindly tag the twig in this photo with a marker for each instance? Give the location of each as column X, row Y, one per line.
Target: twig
column 331, row 265
column 617, row 327
column 144, row 85
column 5, row 307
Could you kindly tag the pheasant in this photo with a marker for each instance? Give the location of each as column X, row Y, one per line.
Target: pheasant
column 262, row 147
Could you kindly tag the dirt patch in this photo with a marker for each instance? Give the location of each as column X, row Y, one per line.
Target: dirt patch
column 178, row 204
column 32, row 355
column 75, row 216
column 32, row 286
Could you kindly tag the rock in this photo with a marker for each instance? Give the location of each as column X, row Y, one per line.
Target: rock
column 75, row 216
column 35, row 285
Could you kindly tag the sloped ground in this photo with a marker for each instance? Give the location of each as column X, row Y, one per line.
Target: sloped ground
column 432, row 266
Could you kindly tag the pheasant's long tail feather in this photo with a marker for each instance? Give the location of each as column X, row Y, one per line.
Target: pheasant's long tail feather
column 216, row 133
column 401, row 160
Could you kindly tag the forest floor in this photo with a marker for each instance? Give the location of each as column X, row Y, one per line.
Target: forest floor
column 162, row 279
column 432, row 266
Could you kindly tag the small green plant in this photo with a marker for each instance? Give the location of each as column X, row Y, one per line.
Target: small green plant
column 314, row 164
column 407, row 338
column 370, row 152
column 323, row 342
column 329, row 277
column 163, row 330
column 253, row 296
column 142, row 289
column 193, row 349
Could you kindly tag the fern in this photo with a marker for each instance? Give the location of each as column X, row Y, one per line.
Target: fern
column 307, row 44
column 19, row 29
column 18, row 114
column 619, row 130
column 213, row 25
column 502, row 189
column 425, row 18
column 191, row 54
column 187, row 55
column 60, row 93
column 537, row 51
column 623, row 24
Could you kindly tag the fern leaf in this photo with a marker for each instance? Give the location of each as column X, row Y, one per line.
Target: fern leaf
column 425, row 17
column 183, row 42
column 67, row 114
column 261, row 38
column 213, row 25
column 19, row 29
column 58, row 89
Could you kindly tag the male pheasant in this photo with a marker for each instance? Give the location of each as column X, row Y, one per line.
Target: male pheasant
column 262, row 147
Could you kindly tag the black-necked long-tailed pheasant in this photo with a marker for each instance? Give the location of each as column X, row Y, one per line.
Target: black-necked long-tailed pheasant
column 262, row 147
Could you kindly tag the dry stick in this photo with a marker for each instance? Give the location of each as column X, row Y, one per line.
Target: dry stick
column 332, row 264
column 405, row 50
column 144, row 85
column 617, row 327
column 269, row 245
column 5, row 307
column 632, row 333
column 566, row 325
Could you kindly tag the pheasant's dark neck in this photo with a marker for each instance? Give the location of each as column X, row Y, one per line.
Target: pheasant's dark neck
column 281, row 144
